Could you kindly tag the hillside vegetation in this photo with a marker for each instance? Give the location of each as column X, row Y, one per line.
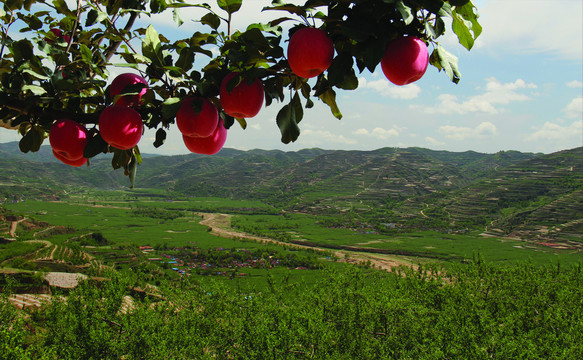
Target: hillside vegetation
column 507, row 193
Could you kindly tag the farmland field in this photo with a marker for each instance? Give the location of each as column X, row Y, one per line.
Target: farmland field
column 142, row 218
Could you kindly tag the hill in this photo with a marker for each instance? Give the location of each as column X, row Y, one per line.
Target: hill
column 510, row 192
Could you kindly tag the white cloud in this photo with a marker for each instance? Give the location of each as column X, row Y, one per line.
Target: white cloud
column 574, row 110
column 433, row 142
column 326, row 136
column 566, row 134
column 574, row 84
column 484, row 129
column 379, row 132
column 385, row 88
column 495, row 94
column 529, row 27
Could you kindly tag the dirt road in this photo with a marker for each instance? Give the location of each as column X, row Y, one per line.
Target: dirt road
column 220, row 225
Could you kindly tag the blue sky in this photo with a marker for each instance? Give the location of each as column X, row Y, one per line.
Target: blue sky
column 521, row 89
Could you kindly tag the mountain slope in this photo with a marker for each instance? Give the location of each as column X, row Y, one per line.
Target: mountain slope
column 508, row 192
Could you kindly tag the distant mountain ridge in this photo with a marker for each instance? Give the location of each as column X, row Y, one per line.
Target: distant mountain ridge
column 509, row 192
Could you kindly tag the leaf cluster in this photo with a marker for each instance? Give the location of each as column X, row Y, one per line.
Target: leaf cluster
column 46, row 76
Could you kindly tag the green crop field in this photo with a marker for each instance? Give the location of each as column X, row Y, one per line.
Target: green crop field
column 422, row 244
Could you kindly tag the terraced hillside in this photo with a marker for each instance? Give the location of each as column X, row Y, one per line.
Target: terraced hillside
column 534, row 194
column 507, row 192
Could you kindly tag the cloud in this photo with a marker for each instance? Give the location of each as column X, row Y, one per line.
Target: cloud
column 385, row 88
column 327, row 136
column 433, row 142
column 574, row 84
column 539, row 32
column 550, row 131
column 574, row 110
column 495, row 94
column 379, row 133
column 484, row 129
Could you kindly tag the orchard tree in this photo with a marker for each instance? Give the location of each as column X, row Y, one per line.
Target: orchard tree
column 56, row 58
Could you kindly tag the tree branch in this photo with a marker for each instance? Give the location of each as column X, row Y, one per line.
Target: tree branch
column 115, row 44
column 23, row 108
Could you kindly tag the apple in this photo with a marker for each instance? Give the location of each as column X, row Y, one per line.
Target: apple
column 68, row 139
column 201, row 124
column 209, row 145
column 59, row 35
column 121, row 82
column 121, row 126
column 75, row 163
column 309, row 52
column 405, row 60
column 245, row 100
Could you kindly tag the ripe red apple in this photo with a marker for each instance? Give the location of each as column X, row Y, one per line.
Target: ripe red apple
column 59, row 35
column 68, row 139
column 201, row 124
column 209, row 145
column 121, row 82
column 405, row 60
column 309, row 52
column 245, row 100
column 121, row 126
column 75, row 163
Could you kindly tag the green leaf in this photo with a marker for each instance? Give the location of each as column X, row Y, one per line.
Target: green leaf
column 86, row 53
column 121, row 158
column 186, row 59
column 35, row 74
column 176, row 16
column 444, row 60
column 160, row 138
column 242, row 122
column 211, row 20
column 329, row 98
column 288, row 118
column 170, row 107
column 290, row 8
column 461, row 28
column 31, row 141
column 341, row 72
column 95, row 145
column 22, row 50
column 35, row 89
column 131, row 170
column 470, row 13
column 95, row 16
column 230, row 6
column 151, row 46
column 405, row 11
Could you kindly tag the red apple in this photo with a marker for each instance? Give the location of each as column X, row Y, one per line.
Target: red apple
column 245, row 100
column 405, row 60
column 121, row 126
column 75, row 163
column 201, row 124
column 209, row 145
column 68, row 139
column 59, row 35
column 119, row 84
column 310, row 52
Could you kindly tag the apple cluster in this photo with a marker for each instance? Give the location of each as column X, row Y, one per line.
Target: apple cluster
column 120, row 125
column 310, row 52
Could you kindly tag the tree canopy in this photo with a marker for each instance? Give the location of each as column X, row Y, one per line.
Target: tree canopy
column 56, row 58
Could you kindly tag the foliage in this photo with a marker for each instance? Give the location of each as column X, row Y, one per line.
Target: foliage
column 46, row 77
column 474, row 311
